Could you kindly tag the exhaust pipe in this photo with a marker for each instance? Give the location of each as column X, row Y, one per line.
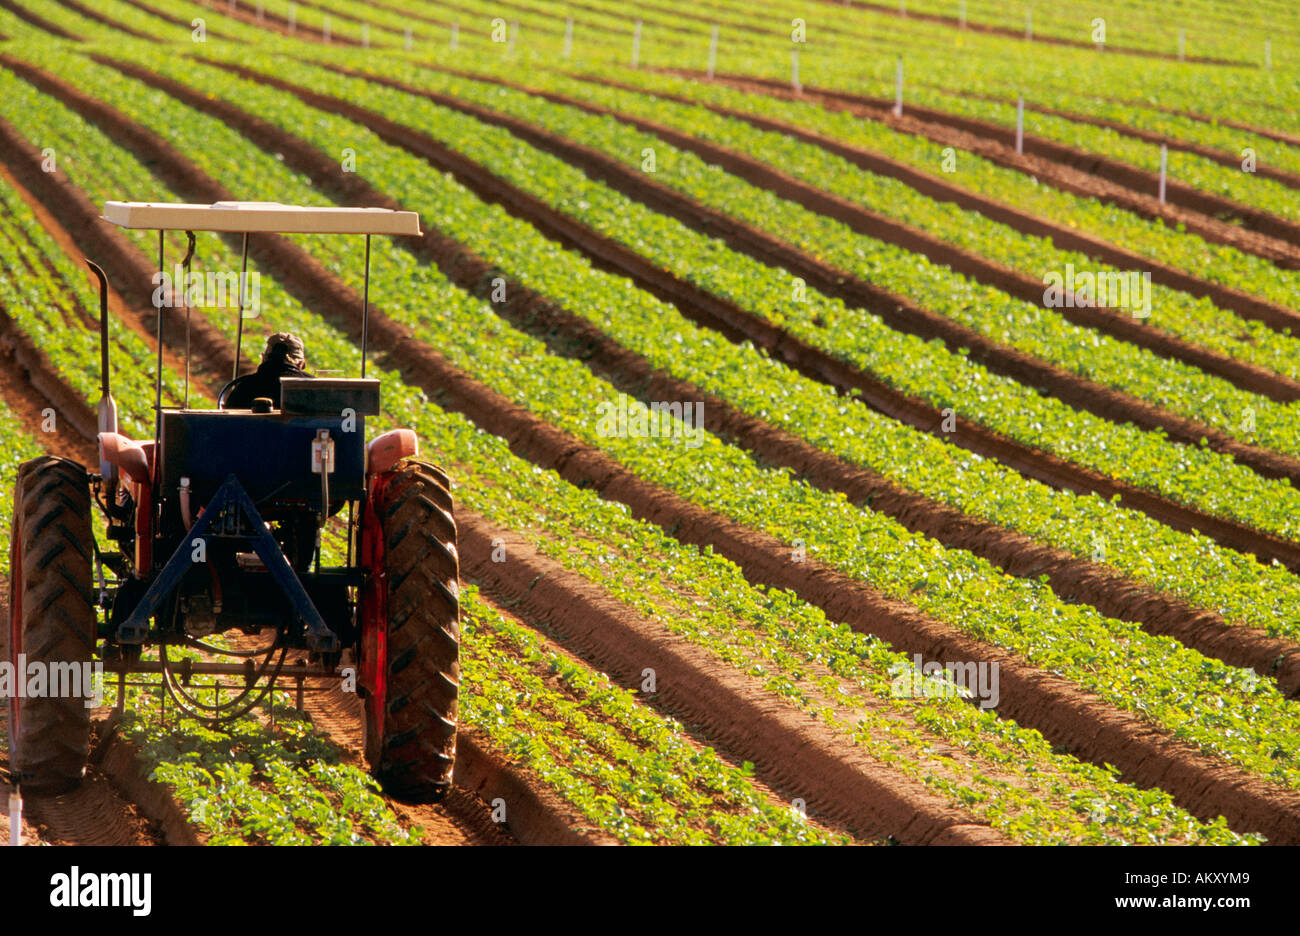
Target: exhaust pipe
column 107, row 405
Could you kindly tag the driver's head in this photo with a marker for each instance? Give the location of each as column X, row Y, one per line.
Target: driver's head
column 285, row 347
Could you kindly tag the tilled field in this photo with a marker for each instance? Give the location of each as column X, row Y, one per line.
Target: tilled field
column 903, row 453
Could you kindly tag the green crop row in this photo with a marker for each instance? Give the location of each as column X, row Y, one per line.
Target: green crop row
column 1008, row 64
column 1031, row 328
column 1155, row 677
column 511, row 492
column 49, row 302
column 1199, row 477
column 1134, row 544
column 632, row 772
column 1196, row 320
column 249, row 782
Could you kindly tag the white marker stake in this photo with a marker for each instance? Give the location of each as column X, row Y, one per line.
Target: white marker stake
column 902, row 7
column 407, row 42
column 261, row 12
column 568, row 37
column 898, row 89
column 961, row 17
column 1164, row 166
column 794, row 71
column 1029, row 24
column 713, row 51
column 455, row 36
column 636, row 44
column 327, row 27
column 365, row 35
column 1268, row 53
column 514, row 34
column 231, row 5
column 1182, row 43
column 293, row 19
column 15, row 818
column 1020, row 125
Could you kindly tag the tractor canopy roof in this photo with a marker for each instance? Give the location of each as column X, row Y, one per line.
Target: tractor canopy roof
column 266, row 217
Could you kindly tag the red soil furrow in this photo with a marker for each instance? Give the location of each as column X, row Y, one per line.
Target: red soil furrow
column 1275, row 316
column 1013, row 282
column 20, row 11
column 535, row 814
column 575, row 337
column 459, row 819
column 27, row 362
column 1232, row 161
column 92, row 14
column 1064, row 713
column 27, row 403
column 94, row 813
column 1103, row 167
column 97, row 813
column 119, row 760
column 1078, row 180
column 1278, row 136
column 817, row 364
column 1010, row 33
column 794, row 754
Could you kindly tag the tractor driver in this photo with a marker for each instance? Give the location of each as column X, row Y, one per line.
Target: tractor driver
column 284, row 356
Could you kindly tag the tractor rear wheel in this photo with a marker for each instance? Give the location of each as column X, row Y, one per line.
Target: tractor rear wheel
column 411, row 724
column 52, row 621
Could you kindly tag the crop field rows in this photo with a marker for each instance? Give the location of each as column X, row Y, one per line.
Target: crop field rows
column 891, row 449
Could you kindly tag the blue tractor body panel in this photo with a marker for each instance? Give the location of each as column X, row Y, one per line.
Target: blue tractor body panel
column 270, row 454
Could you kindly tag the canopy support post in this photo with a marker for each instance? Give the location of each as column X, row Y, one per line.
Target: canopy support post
column 365, row 310
column 157, row 382
column 185, row 298
column 239, row 326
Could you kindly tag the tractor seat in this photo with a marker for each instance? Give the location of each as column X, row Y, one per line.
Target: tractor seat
column 243, row 392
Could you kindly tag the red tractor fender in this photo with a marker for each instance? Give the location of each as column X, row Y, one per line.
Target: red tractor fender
column 387, row 450
column 135, row 461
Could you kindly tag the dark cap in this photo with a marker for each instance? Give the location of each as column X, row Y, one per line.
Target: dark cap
column 285, row 345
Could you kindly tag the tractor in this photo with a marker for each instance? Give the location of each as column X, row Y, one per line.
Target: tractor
column 214, row 535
